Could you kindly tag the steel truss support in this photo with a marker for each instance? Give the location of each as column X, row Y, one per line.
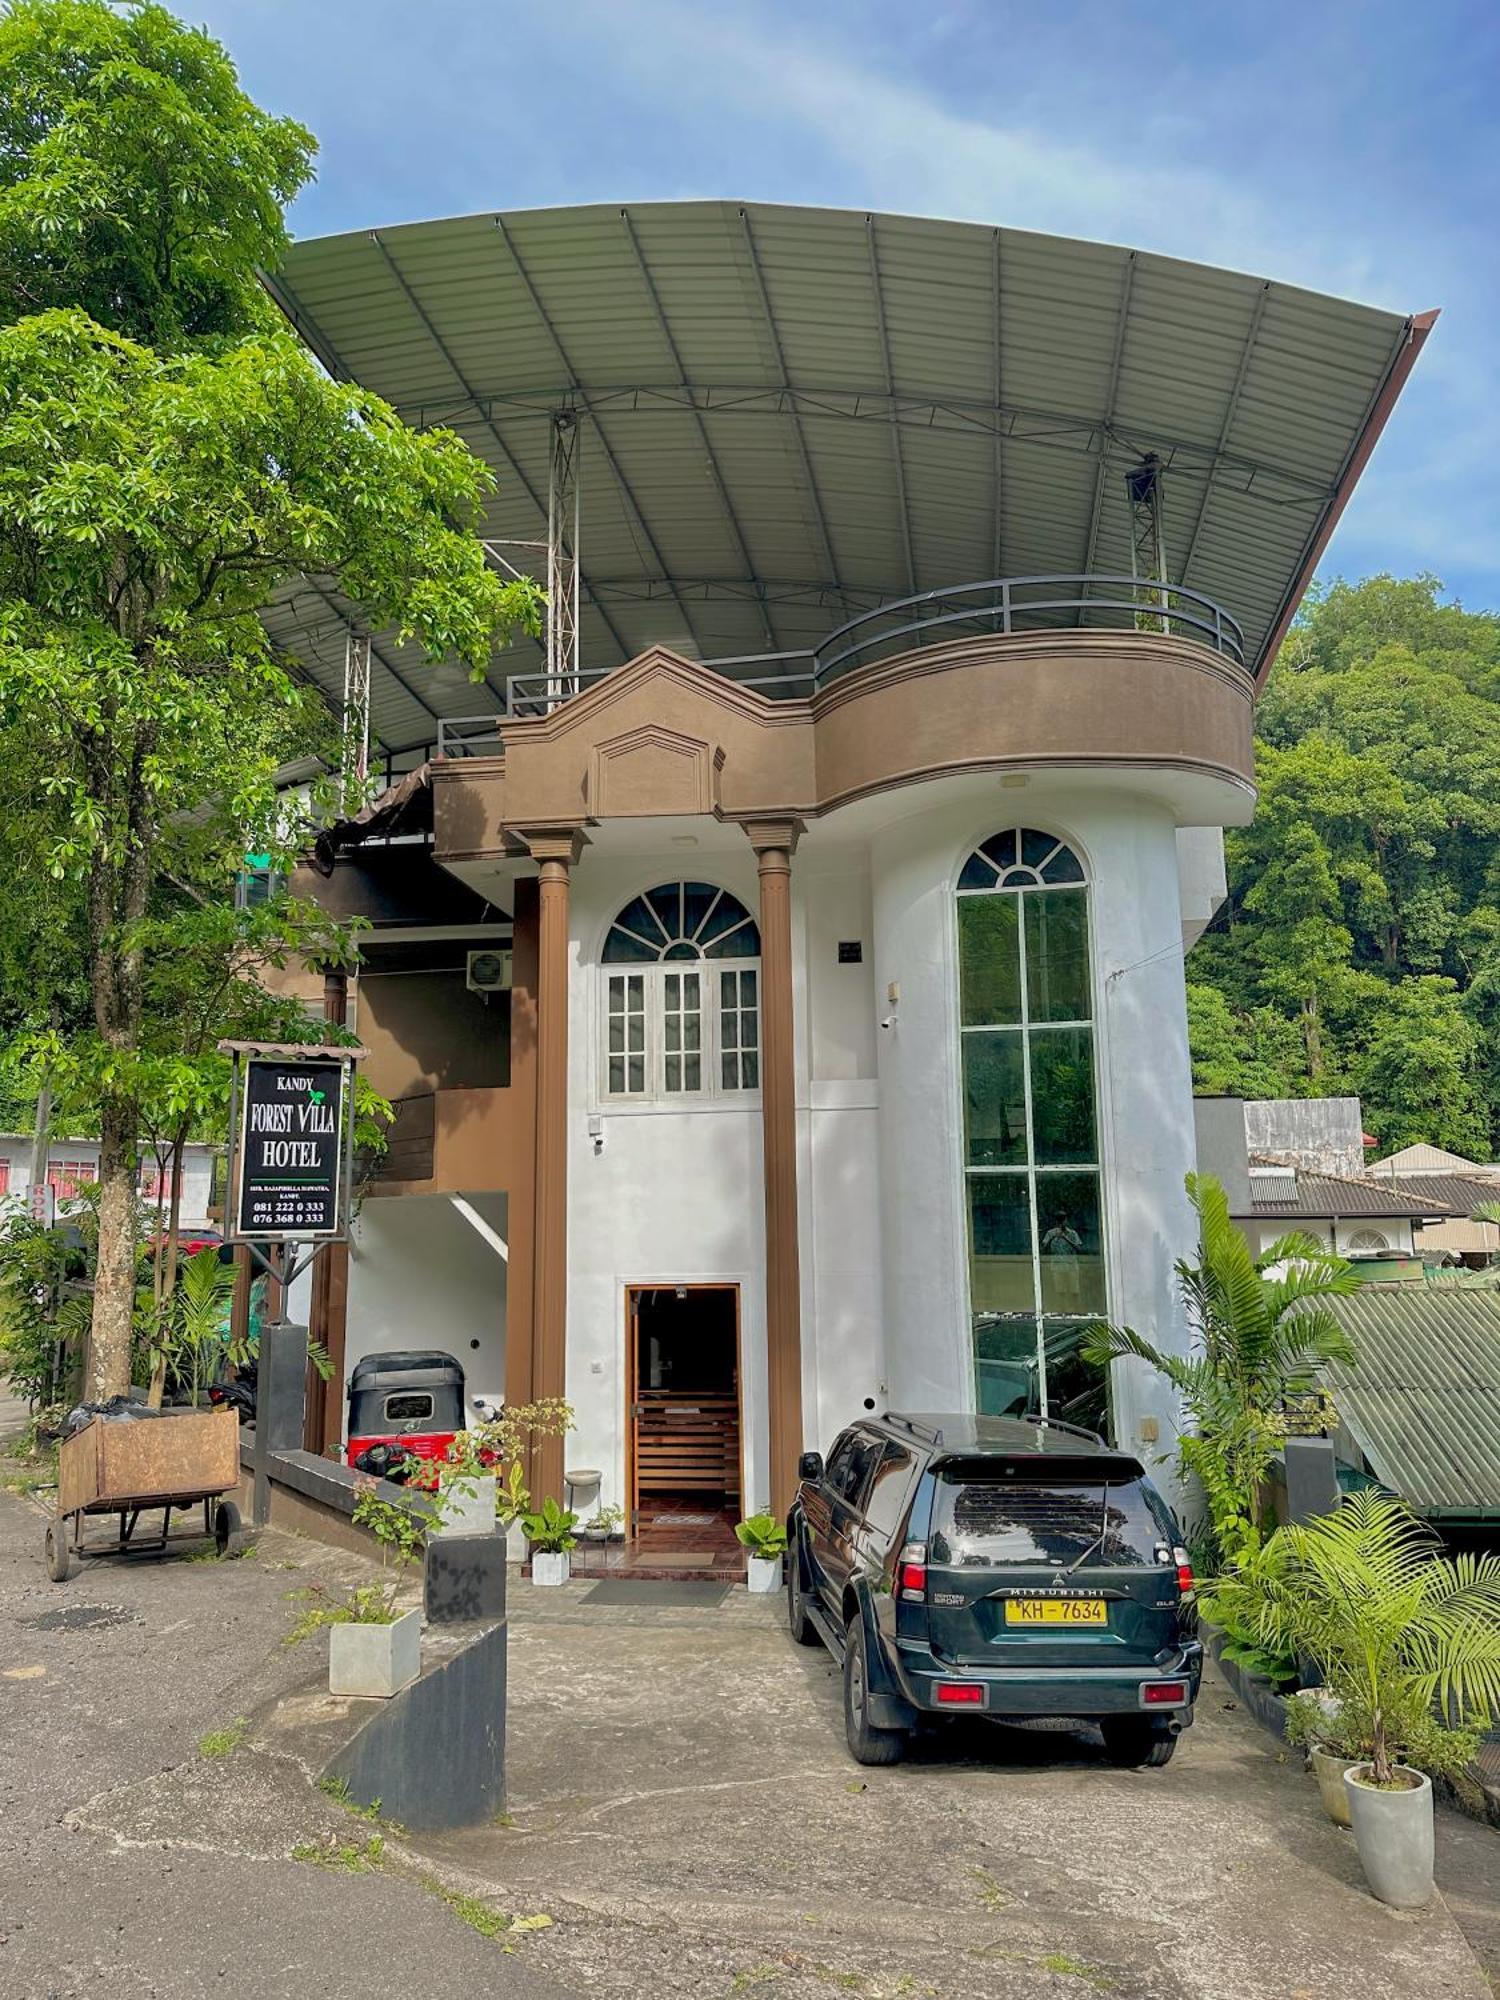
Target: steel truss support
column 1148, row 550
column 562, row 555
column 355, row 761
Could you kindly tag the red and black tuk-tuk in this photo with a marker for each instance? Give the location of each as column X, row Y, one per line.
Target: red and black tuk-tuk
column 407, row 1403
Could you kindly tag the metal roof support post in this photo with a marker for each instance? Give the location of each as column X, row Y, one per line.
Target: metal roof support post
column 355, row 762
column 1148, row 550
column 562, row 558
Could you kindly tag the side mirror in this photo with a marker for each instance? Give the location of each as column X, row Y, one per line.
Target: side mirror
column 810, row 1465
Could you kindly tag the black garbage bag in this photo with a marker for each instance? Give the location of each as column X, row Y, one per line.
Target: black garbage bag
column 117, row 1409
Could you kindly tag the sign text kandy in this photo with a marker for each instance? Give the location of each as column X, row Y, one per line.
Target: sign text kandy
column 290, row 1164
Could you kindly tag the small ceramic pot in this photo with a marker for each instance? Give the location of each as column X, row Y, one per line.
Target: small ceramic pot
column 548, row 1569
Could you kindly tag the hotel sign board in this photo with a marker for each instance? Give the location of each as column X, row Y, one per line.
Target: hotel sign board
column 291, row 1161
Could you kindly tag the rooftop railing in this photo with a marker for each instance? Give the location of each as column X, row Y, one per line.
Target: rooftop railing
column 1000, row 607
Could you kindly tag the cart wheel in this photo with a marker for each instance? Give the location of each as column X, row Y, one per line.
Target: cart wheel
column 57, row 1551
column 226, row 1528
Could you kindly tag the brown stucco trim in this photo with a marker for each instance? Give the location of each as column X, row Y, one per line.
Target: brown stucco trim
column 664, row 737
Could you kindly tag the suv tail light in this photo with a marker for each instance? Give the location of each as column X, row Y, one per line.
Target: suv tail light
column 959, row 1694
column 1163, row 1694
column 911, row 1572
column 1184, row 1570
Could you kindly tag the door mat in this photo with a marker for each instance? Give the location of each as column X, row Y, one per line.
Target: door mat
column 651, row 1596
column 684, row 1520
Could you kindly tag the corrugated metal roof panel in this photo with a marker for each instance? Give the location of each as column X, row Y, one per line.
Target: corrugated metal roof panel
column 1423, row 1397
column 787, row 347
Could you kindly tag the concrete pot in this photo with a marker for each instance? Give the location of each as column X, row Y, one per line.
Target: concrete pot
column 763, row 1573
column 1393, row 1832
column 515, row 1543
column 1329, row 1771
column 548, row 1569
column 375, row 1661
column 467, row 1507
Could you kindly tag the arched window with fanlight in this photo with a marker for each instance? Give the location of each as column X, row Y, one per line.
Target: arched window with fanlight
column 681, row 996
column 1031, row 1129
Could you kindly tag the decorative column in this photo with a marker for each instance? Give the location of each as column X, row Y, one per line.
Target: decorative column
column 556, row 849
column 774, row 842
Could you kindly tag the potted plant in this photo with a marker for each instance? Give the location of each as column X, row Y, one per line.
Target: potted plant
column 1317, row 1722
column 501, row 1443
column 549, row 1530
column 764, row 1536
column 1408, row 1640
column 374, row 1650
column 603, row 1524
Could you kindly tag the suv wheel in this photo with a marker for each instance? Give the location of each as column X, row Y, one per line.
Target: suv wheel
column 1133, row 1744
column 867, row 1744
column 802, row 1628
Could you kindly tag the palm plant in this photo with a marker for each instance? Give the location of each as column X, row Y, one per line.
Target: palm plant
column 1257, row 1340
column 1406, row 1637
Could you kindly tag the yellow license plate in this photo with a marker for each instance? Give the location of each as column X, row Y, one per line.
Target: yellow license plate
column 1055, row 1611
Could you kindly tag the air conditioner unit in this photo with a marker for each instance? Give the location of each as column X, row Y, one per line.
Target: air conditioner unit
column 489, row 971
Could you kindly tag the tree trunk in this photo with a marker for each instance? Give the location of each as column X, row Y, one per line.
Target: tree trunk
column 114, row 1272
column 41, row 1135
column 167, row 1260
column 1312, row 1037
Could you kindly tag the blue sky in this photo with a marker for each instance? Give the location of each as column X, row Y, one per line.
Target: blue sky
column 1349, row 145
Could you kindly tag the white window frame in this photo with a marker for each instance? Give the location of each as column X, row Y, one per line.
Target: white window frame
column 654, row 977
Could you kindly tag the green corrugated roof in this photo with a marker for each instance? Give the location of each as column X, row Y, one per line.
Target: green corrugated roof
column 1423, row 1399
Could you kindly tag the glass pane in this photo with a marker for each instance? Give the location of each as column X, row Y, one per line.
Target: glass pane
column 674, row 1072
column 978, row 874
column 743, row 941
column 636, row 1031
column 729, row 1070
column 638, row 918
column 620, row 946
column 750, row 1070
column 1000, row 1275
column 1062, row 1096
column 989, row 960
column 1077, row 1391
column 994, row 1100
column 673, row 1025
column 747, row 989
column 697, row 899
column 692, row 1072
column 617, row 1072
column 692, row 1031
column 637, row 1073
column 1035, row 847
column 635, row 986
column 1063, row 867
column 616, row 1034
column 667, row 903
column 1006, row 1369
column 1057, row 956
column 727, row 912
column 1001, row 848
column 1067, row 1214
column 681, row 951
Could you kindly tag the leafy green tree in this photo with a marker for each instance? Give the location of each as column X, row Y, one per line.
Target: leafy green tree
column 153, row 497
column 137, row 181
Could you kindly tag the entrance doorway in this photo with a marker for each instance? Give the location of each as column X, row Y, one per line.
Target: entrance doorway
column 684, row 1383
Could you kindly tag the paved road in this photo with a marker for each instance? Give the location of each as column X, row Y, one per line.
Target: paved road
column 132, row 1866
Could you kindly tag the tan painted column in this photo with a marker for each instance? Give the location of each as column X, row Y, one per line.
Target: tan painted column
column 774, row 842
column 556, row 849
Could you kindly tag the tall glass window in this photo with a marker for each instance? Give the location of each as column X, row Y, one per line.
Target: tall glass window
column 1031, row 1128
column 683, row 1022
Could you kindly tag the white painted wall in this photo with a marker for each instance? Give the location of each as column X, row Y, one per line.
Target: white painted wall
column 197, row 1169
column 422, row 1276
column 1130, row 848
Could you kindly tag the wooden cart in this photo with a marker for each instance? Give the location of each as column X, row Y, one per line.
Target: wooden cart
column 115, row 1466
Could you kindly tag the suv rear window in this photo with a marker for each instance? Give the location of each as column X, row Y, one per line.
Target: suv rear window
column 993, row 1523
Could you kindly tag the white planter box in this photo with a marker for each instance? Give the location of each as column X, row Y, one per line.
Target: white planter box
column 375, row 1661
column 548, row 1569
column 467, row 1507
column 763, row 1573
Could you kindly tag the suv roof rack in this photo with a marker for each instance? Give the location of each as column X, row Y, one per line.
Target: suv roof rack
column 1057, row 1424
column 929, row 1431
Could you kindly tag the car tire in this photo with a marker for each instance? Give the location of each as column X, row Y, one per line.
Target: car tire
column 867, row 1744
column 802, row 1629
column 1135, row 1746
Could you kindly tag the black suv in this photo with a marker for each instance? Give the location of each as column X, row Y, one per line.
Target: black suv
column 995, row 1566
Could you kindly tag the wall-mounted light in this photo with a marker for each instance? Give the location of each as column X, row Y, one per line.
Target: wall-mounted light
column 596, row 1130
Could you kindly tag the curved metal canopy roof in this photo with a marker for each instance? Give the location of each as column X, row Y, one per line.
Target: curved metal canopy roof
column 792, row 414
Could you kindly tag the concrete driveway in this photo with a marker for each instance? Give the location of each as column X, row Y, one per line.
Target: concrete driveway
column 683, row 1800
column 682, row 1809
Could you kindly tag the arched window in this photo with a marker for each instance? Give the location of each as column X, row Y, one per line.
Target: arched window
column 1368, row 1239
column 1031, row 1128
column 684, row 1018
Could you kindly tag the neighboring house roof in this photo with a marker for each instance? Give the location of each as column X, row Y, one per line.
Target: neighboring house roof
column 792, row 414
column 1282, row 1193
column 1461, row 1193
column 1424, row 1159
column 1422, row 1399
